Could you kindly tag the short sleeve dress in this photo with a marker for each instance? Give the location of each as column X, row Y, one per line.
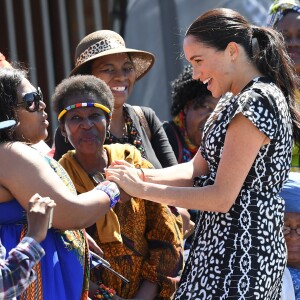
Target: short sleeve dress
column 241, row 254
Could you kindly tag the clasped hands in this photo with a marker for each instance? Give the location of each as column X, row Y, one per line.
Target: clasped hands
column 126, row 176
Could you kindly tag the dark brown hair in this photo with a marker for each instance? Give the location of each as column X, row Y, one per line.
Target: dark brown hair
column 264, row 46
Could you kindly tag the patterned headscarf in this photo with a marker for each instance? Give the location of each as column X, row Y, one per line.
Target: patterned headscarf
column 278, row 8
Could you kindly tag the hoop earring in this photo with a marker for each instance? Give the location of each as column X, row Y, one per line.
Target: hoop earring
column 107, row 134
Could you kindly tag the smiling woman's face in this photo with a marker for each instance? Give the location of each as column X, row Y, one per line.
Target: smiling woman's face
column 289, row 26
column 209, row 65
column 117, row 71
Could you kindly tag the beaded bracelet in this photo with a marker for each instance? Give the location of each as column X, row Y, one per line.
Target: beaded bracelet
column 112, row 191
column 104, row 292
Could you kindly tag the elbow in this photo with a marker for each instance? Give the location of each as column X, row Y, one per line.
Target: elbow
column 225, row 205
column 72, row 223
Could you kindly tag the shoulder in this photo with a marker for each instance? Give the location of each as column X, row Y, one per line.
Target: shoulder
column 18, row 159
column 170, row 128
column 17, row 150
column 167, row 125
column 262, row 91
column 147, row 111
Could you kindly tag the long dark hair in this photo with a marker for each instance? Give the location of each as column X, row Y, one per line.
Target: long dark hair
column 264, row 46
column 9, row 82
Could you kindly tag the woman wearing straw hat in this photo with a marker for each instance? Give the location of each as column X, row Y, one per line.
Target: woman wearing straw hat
column 103, row 53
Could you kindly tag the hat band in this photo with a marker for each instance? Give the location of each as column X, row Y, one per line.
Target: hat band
column 84, row 104
column 97, row 48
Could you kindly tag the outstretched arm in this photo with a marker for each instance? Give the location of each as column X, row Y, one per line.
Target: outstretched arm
column 34, row 175
column 242, row 144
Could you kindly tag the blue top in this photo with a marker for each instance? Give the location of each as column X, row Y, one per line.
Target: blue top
column 61, row 272
column 295, row 273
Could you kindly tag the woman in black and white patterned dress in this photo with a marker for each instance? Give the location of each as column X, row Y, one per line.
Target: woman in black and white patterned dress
column 238, row 251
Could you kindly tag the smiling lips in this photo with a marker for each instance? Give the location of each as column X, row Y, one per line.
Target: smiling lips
column 206, row 80
column 118, row 88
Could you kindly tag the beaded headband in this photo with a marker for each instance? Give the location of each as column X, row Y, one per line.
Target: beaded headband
column 84, row 104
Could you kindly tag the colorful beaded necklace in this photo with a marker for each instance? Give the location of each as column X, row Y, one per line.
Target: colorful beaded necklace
column 132, row 137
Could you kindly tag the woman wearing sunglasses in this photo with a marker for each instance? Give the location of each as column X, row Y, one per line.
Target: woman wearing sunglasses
column 63, row 271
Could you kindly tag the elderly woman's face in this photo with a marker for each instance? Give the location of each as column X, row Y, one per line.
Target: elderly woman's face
column 118, row 72
column 32, row 126
column 292, row 238
column 289, row 26
column 85, row 127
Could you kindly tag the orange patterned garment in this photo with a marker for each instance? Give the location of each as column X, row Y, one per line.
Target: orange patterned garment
column 151, row 246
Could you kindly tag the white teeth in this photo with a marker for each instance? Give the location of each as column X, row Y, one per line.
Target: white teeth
column 118, row 88
column 206, row 81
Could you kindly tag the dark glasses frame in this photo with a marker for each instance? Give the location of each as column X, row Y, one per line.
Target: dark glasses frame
column 31, row 101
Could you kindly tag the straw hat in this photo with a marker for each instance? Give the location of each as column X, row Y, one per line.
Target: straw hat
column 105, row 42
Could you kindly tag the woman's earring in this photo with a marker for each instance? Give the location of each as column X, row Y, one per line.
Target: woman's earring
column 107, row 134
column 66, row 140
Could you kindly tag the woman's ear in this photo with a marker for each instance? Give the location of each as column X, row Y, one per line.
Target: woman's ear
column 186, row 108
column 232, row 50
column 63, row 129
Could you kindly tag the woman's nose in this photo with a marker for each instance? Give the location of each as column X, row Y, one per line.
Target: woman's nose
column 42, row 105
column 196, row 74
column 121, row 73
column 87, row 123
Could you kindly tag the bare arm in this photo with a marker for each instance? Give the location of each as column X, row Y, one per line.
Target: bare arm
column 242, row 144
column 177, row 175
column 24, row 172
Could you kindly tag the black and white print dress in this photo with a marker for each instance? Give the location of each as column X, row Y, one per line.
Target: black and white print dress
column 241, row 254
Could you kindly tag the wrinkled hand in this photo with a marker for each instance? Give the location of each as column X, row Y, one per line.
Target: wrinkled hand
column 38, row 215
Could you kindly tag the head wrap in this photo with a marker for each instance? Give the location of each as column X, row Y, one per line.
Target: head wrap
column 291, row 193
column 278, row 8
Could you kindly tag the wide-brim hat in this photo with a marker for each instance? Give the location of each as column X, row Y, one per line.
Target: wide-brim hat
column 106, row 42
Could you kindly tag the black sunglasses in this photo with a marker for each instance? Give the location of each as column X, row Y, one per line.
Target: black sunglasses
column 31, row 101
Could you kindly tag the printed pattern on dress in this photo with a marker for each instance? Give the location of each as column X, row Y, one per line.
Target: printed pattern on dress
column 241, row 254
